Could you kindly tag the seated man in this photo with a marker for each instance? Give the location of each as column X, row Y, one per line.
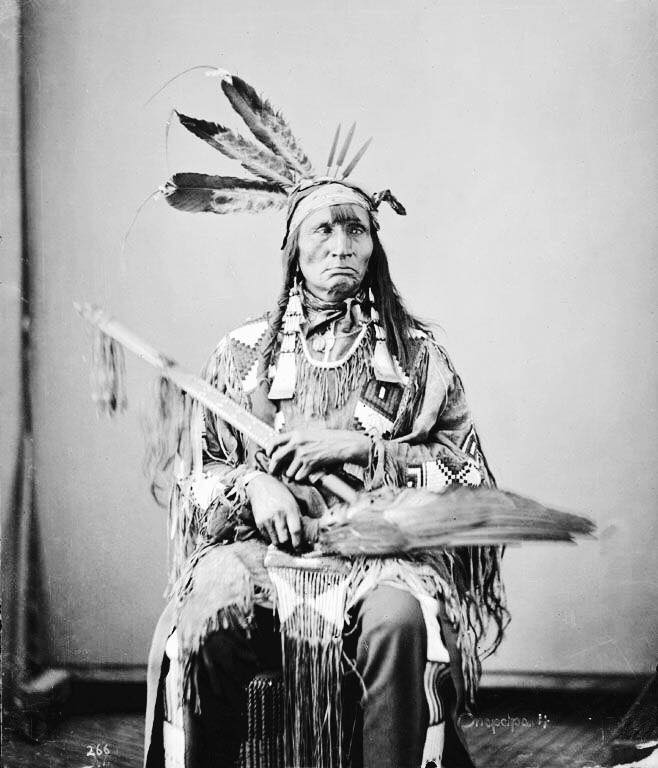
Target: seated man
column 352, row 383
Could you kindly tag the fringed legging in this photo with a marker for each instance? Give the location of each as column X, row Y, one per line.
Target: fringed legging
column 386, row 710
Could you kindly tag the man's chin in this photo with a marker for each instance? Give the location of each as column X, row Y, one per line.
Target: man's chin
column 342, row 286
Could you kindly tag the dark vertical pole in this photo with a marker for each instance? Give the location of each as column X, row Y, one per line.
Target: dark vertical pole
column 25, row 470
column 26, row 279
column 37, row 692
column 16, row 531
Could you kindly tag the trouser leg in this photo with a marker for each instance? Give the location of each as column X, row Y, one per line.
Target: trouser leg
column 225, row 664
column 455, row 750
column 390, row 656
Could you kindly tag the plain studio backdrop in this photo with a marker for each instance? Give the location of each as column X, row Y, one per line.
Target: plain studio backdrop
column 521, row 137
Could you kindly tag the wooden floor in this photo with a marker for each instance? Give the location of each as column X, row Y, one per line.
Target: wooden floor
column 74, row 742
column 510, row 730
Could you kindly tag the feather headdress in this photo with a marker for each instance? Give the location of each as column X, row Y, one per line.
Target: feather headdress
column 284, row 175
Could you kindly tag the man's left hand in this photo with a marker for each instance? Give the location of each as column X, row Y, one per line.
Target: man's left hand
column 303, row 452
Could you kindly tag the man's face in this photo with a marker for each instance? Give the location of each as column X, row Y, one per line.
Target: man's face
column 335, row 245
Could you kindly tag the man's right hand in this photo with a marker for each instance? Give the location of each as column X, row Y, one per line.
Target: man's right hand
column 275, row 510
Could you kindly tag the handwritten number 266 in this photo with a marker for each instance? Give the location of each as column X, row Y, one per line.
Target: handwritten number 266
column 97, row 751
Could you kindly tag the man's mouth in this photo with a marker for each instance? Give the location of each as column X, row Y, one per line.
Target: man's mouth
column 342, row 270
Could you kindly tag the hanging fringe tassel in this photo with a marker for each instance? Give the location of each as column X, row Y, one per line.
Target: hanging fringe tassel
column 108, row 374
column 283, row 384
column 311, row 606
column 312, row 675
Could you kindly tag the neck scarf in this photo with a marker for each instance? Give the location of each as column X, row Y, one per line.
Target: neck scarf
column 320, row 314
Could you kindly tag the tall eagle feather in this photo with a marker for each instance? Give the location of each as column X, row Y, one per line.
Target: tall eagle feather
column 266, row 124
column 199, row 192
column 260, row 162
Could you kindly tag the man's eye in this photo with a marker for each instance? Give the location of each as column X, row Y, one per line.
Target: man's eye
column 324, row 229
column 357, row 229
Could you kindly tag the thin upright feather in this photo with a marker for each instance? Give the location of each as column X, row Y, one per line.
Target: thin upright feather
column 259, row 161
column 346, row 145
column 352, row 165
column 332, row 151
column 267, row 124
column 198, row 192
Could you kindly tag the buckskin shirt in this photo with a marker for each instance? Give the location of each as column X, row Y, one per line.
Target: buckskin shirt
column 422, row 436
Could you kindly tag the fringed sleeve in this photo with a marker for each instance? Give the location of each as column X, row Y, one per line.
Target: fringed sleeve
column 209, row 503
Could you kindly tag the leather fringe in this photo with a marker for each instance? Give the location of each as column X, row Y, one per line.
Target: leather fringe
column 311, row 606
column 312, row 640
column 190, row 524
column 217, row 590
column 320, row 388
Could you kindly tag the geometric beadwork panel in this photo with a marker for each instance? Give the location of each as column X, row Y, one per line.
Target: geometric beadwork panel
column 440, row 473
column 383, row 397
column 367, row 419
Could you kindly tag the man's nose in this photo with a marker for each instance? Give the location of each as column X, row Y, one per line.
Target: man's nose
column 341, row 243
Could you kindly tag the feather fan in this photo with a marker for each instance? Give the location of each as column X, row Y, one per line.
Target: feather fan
column 198, row 192
column 259, row 161
column 267, row 124
column 394, row 521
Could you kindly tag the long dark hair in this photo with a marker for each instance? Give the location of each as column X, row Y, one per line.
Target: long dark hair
column 395, row 318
